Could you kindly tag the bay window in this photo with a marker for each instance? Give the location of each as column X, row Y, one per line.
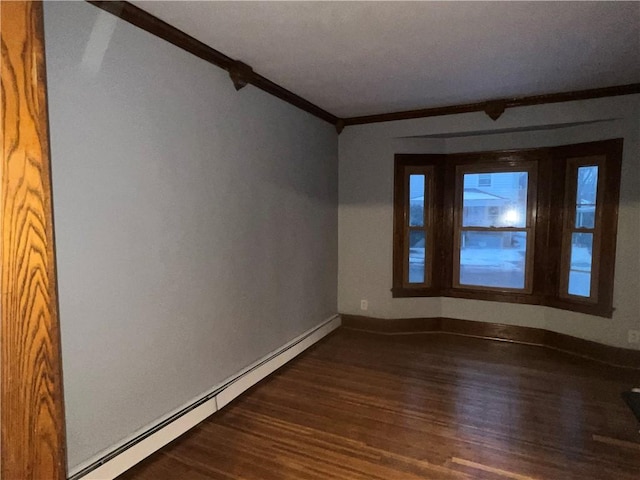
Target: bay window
column 531, row 226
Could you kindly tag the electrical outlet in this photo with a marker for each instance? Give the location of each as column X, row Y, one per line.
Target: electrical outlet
column 364, row 305
column 634, row 336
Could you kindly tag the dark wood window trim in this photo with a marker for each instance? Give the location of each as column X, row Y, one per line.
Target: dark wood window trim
column 550, row 211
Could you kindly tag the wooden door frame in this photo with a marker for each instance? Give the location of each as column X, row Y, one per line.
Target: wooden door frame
column 32, row 440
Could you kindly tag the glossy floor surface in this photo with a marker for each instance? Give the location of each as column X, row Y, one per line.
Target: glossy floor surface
column 379, row 407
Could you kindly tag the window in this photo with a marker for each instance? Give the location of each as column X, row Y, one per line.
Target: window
column 531, row 226
column 418, row 226
column 580, row 229
column 490, row 235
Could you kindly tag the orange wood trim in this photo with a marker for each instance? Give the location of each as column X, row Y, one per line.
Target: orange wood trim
column 488, row 106
column 616, row 356
column 32, row 442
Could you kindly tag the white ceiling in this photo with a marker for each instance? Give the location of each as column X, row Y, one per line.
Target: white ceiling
column 360, row 58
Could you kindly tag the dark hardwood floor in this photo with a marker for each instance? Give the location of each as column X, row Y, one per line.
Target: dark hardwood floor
column 437, row 406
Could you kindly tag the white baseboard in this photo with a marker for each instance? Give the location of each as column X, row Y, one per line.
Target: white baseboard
column 255, row 373
column 112, row 464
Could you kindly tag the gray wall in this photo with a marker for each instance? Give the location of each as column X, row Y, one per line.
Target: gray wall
column 196, row 226
column 366, row 209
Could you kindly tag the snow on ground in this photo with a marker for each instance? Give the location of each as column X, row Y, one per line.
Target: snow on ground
column 506, row 258
column 503, row 259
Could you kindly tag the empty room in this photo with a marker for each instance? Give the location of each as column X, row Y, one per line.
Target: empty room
column 312, row 240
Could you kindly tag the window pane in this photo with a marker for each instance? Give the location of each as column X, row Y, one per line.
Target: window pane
column 493, row 259
column 501, row 203
column 587, row 184
column 417, row 243
column 586, row 196
column 585, row 216
column 484, row 180
column 580, row 268
column 416, row 200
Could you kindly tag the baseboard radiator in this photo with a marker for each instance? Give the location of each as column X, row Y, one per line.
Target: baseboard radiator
column 121, row 458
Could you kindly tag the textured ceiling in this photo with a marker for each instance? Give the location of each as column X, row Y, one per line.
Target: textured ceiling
column 359, row 58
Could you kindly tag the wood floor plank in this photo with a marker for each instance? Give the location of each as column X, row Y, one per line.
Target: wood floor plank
column 487, row 468
column 361, row 406
column 617, row 442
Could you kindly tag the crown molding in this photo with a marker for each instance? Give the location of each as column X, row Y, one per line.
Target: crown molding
column 241, row 74
column 495, row 108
